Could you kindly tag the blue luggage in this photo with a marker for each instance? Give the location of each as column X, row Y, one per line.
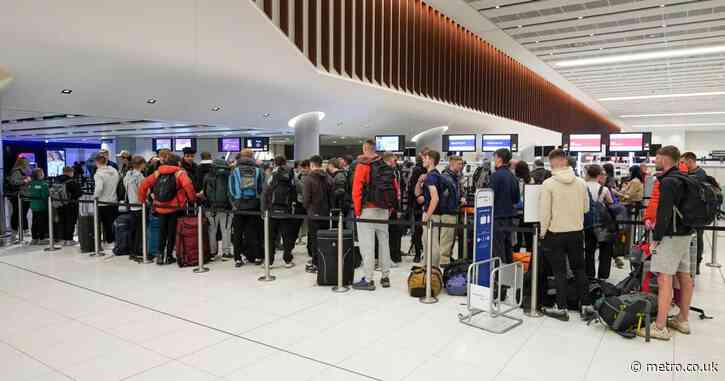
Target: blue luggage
column 152, row 235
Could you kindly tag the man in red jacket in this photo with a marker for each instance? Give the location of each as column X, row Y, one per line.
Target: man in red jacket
column 171, row 189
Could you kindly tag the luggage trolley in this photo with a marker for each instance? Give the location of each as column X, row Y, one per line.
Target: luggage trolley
column 482, row 299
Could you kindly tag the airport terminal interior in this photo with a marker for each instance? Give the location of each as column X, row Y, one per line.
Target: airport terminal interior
column 386, row 190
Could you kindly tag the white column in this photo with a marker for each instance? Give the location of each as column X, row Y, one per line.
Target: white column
column 307, row 134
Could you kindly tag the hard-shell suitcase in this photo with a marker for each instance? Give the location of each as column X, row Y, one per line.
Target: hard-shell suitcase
column 122, row 231
column 327, row 246
column 85, row 234
column 152, row 235
column 187, row 241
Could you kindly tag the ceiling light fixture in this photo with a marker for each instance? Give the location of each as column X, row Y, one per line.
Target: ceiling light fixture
column 678, row 125
column 674, row 114
column 266, row 115
column 151, row 101
column 519, row 26
column 66, row 91
column 216, row 108
column 635, row 97
column 670, row 53
column 580, row 17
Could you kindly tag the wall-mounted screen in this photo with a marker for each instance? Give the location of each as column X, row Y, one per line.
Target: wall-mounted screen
column 230, row 144
column 585, row 143
column 490, row 143
column 257, row 144
column 459, row 143
column 181, row 143
column 632, row 142
column 28, row 156
column 410, row 152
column 390, row 143
column 55, row 162
column 162, row 143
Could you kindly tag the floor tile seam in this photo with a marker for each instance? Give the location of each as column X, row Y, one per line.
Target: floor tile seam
column 38, row 360
column 594, row 355
column 433, row 356
column 324, row 363
column 520, row 347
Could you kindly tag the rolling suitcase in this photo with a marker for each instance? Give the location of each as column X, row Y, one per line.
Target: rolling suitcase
column 85, row 234
column 152, row 236
column 122, row 231
column 327, row 246
column 187, row 241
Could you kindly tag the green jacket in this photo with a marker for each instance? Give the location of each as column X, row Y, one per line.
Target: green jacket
column 39, row 193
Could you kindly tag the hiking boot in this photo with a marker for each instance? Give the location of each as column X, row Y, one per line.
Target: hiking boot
column 238, row 264
column 679, row 326
column 619, row 262
column 311, row 268
column 556, row 313
column 364, row 285
column 655, row 333
column 385, row 282
column 289, row 265
column 587, row 312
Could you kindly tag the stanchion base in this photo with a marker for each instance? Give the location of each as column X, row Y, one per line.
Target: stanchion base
column 341, row 289
column 51, row 248
column 714, row 265
column 201, row 270
column 430, row 300
column 534, row 314
column 267, row 279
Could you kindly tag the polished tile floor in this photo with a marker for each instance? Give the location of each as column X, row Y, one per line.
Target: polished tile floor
column 66, row 316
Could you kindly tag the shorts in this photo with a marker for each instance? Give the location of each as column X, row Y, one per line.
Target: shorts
column 672, row 255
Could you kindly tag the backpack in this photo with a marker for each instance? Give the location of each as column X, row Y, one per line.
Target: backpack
column 380, row 189
column 243, row 184
column 283, row 188
column 590, row 217
column 165, row 187
column 482, row 175
column 339, row 190
column 605, row 227
column 416, row 281
column 8, row 186
column 216, row 185
column 121, row 195
column 701, row 200
column 59, row 195
column 624, row 314
column 448, row 198
column 455, row 278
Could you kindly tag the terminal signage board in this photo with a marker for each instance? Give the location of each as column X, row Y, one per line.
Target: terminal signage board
column 483, row 233
column 459, row 143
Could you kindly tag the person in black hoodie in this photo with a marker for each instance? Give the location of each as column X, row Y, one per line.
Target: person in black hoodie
column 540, row 173
column 414, row 210
column 203, row 169
column 670, row 248
column 68, row 213
column 191, row 168
column 316, row 200
column 277, row 197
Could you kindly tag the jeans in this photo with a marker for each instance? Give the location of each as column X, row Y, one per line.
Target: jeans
column 367, row 232
column 605, row 255
column 167, row 233
column 312, row 227
column 502, row 247
column 247, row 237
column 417, row 238
column 106, row 215
column 284, row 228
column 23, row 214
column 395, row 235
column 435, row 248
column 135, row 250
column 559, row 248
column 448, row 238
column 39, row 230
column 220, row 220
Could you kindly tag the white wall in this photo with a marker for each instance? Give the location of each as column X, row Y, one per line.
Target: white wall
column 677, row 138
column 703, row 142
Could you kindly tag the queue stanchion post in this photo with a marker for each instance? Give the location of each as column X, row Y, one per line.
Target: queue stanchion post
column 429, row 298
column 713, row 259
column 340, row 258
column 200, row 243
column 144, row 238
column 96, row 231
column 21, row 233
column 51, row 236
column 533, row 309
column 268, row 277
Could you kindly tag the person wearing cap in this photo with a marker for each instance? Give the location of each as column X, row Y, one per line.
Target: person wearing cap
column 540, row 173
column 107, row 154
column 204, row 168
column 188, row 164
column 124, row 162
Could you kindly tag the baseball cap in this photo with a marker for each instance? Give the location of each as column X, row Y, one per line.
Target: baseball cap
column 124, row 154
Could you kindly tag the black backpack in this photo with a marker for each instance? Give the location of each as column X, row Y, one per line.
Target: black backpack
column 380, row 190
column 121, row 195
column 448, row 197
column 624, row 314
column 283, row 188
column 216, row 186
column 701, row 200
column 339, row 190
column 165, row 187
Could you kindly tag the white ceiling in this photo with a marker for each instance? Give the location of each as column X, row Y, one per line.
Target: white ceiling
column 557, row 30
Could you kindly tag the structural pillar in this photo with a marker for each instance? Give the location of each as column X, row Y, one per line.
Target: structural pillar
column 431, row 138
column 307, row 134
column 5, row 79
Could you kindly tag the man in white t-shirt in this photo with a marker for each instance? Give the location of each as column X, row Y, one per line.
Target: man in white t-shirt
column 594, row 178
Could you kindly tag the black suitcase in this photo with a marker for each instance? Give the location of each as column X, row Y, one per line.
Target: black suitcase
column 327, row 245
column 122, row 232
column 85, row 234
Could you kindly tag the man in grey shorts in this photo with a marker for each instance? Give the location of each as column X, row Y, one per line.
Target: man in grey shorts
column 670, row 248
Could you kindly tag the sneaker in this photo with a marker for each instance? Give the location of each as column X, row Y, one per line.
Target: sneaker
column 619, row 262
column 289, row 265
column 556, row 313
column 238, row 264
column 258, row 262
column 364, row 284
column 385, row 282
column 227, row 256
column 417, row 258
column 655, row 333
column 34, row 242
column 587, row 312
column 71, row 243
column 679, row 326
column 160, row 260
column 311, row 268
column 170, row 260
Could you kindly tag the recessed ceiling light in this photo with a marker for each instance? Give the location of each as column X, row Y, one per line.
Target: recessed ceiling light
column 334, row 142
column 687, row 95
column 70, row 116
column 537, row 41
column 664, row 25
column 216, row 108
column 498, row 7
column 662, row 5
column 520, row 26
column 151, row 101
column 266, row 115
column 591, row 35
column 674, row 114
column 66, row 91
column 580, row 17
column 669, row 53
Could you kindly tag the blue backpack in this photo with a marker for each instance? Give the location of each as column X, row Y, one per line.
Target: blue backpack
column 244, row 183
column 590, row 217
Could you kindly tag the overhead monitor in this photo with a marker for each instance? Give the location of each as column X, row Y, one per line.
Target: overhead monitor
column 257, row 143
column 547, row 150
column 390, row 143
column 410, row 152
column 55, row 162
column 162, row 143
column 230, row 144
column 459, row 143
column 29, row 156
column 629, row 142
column 181, row 143
column 653, row 148
column 585, row 143
column 490, row 143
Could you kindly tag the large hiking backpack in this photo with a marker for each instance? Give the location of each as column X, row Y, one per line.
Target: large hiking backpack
column 165, row 187
column 448, row 198
column 701, row 200
column 626, row 313
column 216, row 185
column 243, row 184
column 283, row 188
column 380, row 190
column 59, row 195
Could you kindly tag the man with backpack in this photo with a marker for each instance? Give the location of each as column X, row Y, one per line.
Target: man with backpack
column 245, row 189
column 317, row 200
column 65, row 193
column 189, row 165
column 671, row 243
column 216, row 192
column 506, row 195
column 452, row 176
column 374, row 193
column 428, row 192
column 131, row 183
column 171, row 190
column 278, row 194
column 205, row 166
column 690, row 161
column 597, row 237
column 414, row 208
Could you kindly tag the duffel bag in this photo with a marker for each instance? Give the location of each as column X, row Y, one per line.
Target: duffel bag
column 416, row 282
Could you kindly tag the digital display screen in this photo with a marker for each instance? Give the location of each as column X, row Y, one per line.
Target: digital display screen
column 28, row 156
column 230, row 144
column 162, row 144
column 181, row 143
column 626, row 142
column 257, row 144
column 389, row 143
column 56, row 162
column 490, row 143
column 459, row 143
column 585, row 143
